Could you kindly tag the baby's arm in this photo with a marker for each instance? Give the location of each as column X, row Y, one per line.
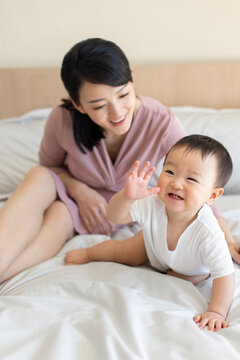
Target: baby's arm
column 135, row 188
column 130, row 251
column 221, row 299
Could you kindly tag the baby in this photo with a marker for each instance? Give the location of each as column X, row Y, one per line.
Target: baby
column 181, row 236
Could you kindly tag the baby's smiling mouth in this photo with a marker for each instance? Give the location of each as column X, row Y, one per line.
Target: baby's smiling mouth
column 175, row 196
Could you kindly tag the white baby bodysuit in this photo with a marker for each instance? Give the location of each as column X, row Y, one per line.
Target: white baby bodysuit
column 200, row 249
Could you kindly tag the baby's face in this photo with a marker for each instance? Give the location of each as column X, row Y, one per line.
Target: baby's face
column 187, row 181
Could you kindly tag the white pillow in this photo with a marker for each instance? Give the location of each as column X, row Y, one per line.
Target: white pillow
column 20, row 140
column 19, row 145
column 222, row 125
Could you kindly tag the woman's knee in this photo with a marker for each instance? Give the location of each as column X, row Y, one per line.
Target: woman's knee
column 60, row 213
column 40, row 180
column 59, row 208
column 39, row 173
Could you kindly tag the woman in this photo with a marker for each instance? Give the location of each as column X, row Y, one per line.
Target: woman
column 89, row 144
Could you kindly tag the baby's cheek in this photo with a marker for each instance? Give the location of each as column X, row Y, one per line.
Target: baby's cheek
column 160, row 193
column 161, row 184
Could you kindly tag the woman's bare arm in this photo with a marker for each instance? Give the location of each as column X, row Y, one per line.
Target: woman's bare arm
column 233, row 246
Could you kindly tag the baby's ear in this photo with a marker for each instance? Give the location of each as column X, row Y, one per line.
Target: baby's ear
column 215, row 195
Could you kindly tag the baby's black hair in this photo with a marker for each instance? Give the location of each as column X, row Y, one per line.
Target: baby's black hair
column 208, row 146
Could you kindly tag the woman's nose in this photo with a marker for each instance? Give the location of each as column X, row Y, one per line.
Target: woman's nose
column 115, row 112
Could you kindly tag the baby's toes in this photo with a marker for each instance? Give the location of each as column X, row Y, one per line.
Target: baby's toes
column 68, row 259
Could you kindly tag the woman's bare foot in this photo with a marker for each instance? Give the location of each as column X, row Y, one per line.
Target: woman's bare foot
column 77, row 257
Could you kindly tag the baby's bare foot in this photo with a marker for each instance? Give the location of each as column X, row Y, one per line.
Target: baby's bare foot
column 77, row 257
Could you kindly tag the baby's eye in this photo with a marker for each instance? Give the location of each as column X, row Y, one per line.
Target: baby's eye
column 170, row 172
column 123, row 95
column 192, row 179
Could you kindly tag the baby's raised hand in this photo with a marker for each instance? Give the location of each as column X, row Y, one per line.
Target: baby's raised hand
column 214, row 321
column 136, row 186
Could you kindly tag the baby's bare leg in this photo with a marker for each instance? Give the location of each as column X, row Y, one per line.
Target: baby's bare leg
column 130, row 252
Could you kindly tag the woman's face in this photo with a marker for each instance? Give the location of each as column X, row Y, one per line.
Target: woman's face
column 110, row 107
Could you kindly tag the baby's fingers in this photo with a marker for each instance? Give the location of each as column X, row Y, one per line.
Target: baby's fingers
column 153, row 190
column 213, row 323
column 142, row 172
column 224, row 324
column 203, row 323
column 149, row 174
column 133, row 173
column 197, row 319
column 220, row 325
column 216, row 325
column 201, row 320
column 135, row 166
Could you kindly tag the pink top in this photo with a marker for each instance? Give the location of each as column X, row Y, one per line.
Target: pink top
column 154, row 130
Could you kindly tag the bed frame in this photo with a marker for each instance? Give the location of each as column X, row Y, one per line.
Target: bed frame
column 205, row 85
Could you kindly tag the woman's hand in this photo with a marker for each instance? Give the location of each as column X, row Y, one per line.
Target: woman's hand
column 92, row 209
column 91, row 205
column 214, row 321
column 137, row 183
column 234, row 248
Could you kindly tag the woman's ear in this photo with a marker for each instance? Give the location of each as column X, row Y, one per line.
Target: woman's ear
column 78, row 107
column 133, row 78
column 215, row 195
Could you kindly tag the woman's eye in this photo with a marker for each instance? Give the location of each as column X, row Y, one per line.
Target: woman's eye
column 99, row 107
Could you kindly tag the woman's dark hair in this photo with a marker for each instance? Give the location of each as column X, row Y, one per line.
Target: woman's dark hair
column 209, row 146
column 97, row 61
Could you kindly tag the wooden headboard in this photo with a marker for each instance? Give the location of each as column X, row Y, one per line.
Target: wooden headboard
column 205, row 85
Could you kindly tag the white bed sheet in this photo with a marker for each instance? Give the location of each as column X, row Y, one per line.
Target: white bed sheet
column 111, row 311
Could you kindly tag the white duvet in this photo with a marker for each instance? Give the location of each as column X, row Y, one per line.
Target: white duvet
column 108, row 311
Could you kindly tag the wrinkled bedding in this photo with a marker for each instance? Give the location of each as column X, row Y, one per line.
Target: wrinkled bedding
column 111, row 311
column 108, row 311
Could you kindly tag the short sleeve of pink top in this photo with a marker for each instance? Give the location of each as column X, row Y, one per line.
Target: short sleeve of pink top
column 154, row 130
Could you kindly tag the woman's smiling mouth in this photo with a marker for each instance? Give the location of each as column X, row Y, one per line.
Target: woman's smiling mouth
column 118, row 122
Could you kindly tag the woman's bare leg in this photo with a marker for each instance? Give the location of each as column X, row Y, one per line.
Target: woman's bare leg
column 22, row 216
column 57, row 227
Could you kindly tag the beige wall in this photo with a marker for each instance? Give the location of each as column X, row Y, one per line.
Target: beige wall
column 39, row 32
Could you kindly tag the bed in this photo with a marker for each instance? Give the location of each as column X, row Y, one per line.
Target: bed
column 108, row 310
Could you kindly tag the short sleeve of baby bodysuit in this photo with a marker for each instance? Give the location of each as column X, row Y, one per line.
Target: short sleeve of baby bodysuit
column 141, row 211
column 216, row 256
